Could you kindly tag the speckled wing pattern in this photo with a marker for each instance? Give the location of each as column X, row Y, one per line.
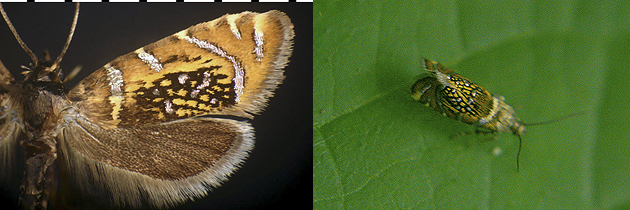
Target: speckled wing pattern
column 452, row 95
column 169, row 120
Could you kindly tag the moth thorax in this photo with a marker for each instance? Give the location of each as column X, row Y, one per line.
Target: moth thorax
column 43, row 100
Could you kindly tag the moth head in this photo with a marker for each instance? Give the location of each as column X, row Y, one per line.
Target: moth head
column 42, row 70
column 519, row 129
column 506, row 119
column 45, row 70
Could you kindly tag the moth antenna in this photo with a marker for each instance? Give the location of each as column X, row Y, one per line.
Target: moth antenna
column 555, row 120
column 65, row 46
column 17, row 37
column 518, row 154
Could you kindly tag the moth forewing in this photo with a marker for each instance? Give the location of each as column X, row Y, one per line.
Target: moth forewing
column 462, row 99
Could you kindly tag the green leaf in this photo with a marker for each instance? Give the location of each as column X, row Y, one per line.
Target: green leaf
column 375, row 147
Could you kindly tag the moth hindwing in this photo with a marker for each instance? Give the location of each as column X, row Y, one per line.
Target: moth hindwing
column 162, row 124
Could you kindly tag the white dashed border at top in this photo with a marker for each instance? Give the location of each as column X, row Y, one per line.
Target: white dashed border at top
column 262, row 1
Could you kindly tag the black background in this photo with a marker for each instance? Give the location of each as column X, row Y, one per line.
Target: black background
column 278, row 172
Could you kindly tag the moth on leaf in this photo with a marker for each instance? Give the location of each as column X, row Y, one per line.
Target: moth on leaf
column 454, row 96
column 459, row 98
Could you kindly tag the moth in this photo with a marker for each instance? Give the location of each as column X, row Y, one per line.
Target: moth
column 157, row 126
column 456, row 97
column 459, row 98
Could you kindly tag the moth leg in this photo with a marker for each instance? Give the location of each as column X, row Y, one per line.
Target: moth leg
column 490, row 135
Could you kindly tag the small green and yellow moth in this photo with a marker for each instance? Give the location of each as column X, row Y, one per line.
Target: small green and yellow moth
column 459, row 98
